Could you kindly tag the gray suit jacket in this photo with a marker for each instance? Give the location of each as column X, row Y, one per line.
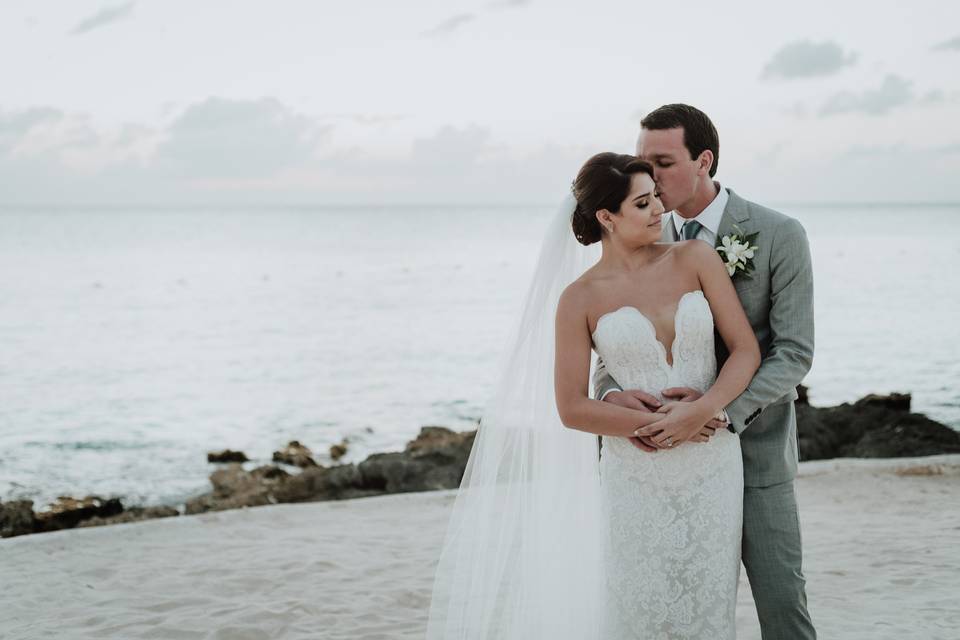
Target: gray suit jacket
column 778, row 299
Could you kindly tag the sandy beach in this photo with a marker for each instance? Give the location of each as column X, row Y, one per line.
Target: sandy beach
column 881, row 540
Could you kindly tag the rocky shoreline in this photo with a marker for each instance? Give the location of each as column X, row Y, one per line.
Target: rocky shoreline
column 873, row 427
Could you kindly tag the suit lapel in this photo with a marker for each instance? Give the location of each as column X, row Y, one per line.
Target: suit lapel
column 735, row 219
column 735, row 213
column 669, row 233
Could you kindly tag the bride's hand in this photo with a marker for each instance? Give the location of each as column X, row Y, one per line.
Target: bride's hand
column 642, row 442
column 683, row 421
column 687, row 394
column 638, row 401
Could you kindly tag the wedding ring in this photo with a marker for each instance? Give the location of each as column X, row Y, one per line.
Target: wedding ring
column 669, row 441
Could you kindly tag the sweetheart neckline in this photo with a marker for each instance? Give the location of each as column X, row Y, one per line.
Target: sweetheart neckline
column 663, row 348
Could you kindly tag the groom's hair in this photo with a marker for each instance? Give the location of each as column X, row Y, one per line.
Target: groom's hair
column 699, row 134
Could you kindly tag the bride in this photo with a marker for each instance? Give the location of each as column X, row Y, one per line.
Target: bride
column 553, row 537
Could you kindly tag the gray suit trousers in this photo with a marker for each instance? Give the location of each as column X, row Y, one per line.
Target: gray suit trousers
column 772, row 557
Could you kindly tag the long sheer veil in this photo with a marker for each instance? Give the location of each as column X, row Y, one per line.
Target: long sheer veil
column 522, row 558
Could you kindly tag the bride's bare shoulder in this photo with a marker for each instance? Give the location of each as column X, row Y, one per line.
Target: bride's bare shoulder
column 695, row 250
column 578, row 295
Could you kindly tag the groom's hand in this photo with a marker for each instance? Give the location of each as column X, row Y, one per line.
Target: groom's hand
column 638, row 401
column 684, row 421
column 686, row 394
column 682, row 394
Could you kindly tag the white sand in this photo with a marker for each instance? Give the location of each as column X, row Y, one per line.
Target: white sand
column 882, row 560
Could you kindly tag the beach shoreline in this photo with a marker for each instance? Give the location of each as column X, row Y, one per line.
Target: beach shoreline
column 876, row 427
column 879, row 544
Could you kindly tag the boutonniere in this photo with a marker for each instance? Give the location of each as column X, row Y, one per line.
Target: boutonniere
column 737, row 251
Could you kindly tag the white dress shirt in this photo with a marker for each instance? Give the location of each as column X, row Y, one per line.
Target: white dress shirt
column 709, row 217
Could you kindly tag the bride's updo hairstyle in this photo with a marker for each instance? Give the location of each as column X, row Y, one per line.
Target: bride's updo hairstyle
column 603, row 183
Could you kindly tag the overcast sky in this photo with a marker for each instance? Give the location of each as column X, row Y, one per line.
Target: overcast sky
column 168, row 101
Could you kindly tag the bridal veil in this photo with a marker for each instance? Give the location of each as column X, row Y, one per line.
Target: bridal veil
column 522, row 553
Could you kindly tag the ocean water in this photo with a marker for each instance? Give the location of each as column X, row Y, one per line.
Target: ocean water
column 133, row 341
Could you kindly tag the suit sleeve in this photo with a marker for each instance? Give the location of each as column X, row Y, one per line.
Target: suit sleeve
column 790, row 354
column 603, row 381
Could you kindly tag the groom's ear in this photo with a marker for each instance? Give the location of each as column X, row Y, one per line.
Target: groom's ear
column 704, row 162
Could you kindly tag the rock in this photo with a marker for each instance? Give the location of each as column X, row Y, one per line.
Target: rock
column 432, row 438
column 337, row 451
column 16, row 518
column 873, row 427
column 132, row 514
column 436, row 459
column 325, row 483
column 67, row 512
column 227, row 455
column 893, row 402
column 234, row 488
column 296, row 454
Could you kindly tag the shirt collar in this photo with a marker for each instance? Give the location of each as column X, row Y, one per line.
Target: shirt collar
column 710, row 216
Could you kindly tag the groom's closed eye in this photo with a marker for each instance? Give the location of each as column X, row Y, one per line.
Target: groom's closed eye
column 663, row 161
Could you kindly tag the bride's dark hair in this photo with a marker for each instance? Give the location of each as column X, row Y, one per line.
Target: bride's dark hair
column 603, row 183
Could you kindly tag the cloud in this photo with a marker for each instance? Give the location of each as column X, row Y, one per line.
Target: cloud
column 949, row 148
column 211, row 151
column 449, row 26
column 797, row 110
column 368, row 119
column 953, row 44
column 55, row 136
column 898, row 150
column 806, row 59
column 509, row 4
column 43, row 146
column 455, row 164
column 875, row 151
column 221, row 138
column 894, row 92
column 15, row 125
column 223, row 152
column 771, row 155
column 451, row 149
column 105, row 16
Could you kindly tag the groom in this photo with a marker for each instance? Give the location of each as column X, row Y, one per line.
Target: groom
column 682, row 144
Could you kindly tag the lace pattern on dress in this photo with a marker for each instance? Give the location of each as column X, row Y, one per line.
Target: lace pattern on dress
column 672, row 555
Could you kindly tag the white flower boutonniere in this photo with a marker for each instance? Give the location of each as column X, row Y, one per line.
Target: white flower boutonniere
column 737, row 251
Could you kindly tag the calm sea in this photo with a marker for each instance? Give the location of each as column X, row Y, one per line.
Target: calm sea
column 134, row 341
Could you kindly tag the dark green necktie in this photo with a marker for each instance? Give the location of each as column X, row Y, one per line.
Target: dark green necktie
column 690, row 229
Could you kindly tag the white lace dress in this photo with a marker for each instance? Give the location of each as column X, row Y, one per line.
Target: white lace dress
column 672, row 557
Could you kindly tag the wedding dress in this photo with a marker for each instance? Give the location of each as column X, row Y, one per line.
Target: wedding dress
column 672, row 518
column 549, row 538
